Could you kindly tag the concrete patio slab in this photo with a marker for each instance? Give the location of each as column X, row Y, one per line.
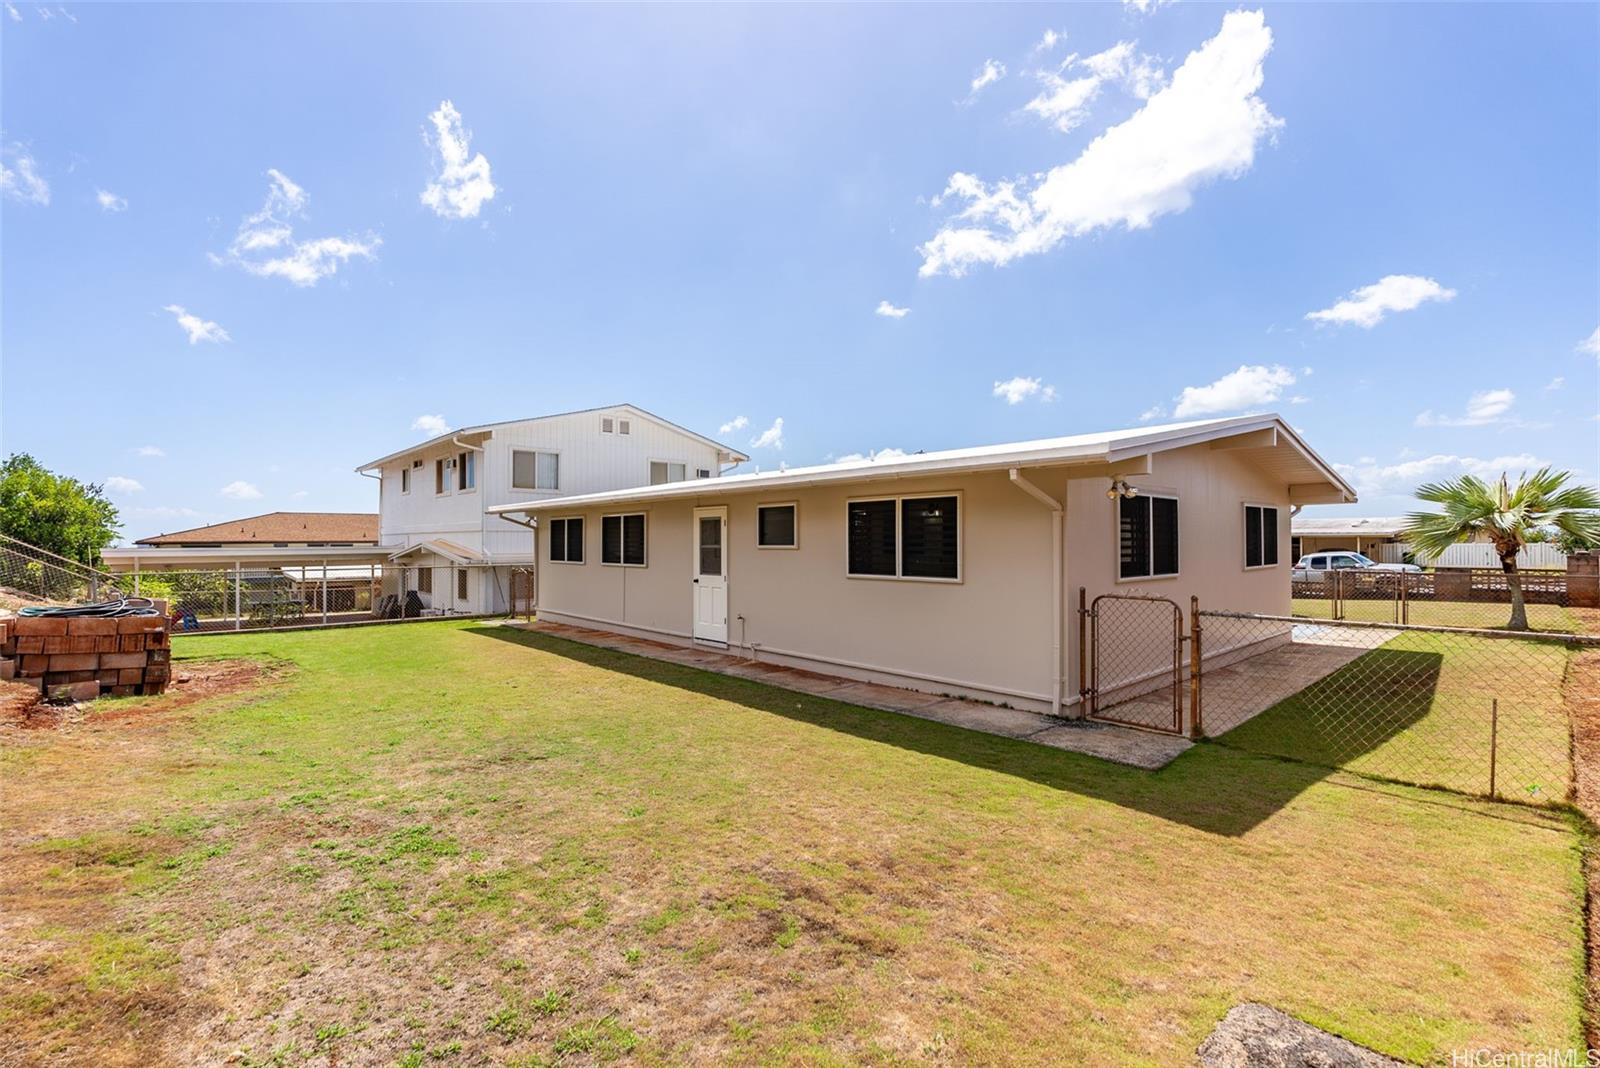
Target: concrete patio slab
column 1121, row 745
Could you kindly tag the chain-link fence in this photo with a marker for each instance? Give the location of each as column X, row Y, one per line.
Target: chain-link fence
column 1480, row 712
column 1443, row 597
column 272, row 594
column 30, row 575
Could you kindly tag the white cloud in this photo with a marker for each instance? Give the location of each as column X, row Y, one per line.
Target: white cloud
column 872, row 456
column 266, row 246
column 770, row 438
column 1049, row 40
column 889, row 311
column 1375, row 480
column 150, row 450
column 241, row 491
column 1367, row 306
column 1591, row 344
column 1065, row 102
column 1204, row 125
column 1251, row 386
column 1018, row 389
column 109, row 201
column 738, row 422
column 1144, row 7
column 1484, row 407
column 197, row 328
column 20, row 178
column 120, row 484
column 1558, row 382
column 16, row 16
column 992, row 71
column 431, row 425
column 462, row 184
column 1157, row 411
column 299, row 494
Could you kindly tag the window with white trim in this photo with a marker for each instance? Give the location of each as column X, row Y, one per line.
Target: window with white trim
column 466, row 470
column 624, row 426
column 461, row 584
column 1260, row 536
column 607, row 424
column 904, row 537
column 566, row 540
column 405, row 480
column 702, row 472
column 776, row 526
column 1147, row 536
column 443, row 469
column 622, row 539
column 662, row 471
column 424, row 580
column 533, row 470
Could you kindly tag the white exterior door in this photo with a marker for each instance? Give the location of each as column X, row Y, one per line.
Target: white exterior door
column 711, row 575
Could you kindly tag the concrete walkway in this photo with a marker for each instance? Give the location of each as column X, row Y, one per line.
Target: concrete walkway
column 1122, row 745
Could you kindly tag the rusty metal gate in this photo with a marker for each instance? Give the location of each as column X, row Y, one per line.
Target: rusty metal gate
column 524, row 591
column 1130, row 652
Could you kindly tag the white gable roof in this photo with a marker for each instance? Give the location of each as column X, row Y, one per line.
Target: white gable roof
column 1103, row 447
column 730, row 455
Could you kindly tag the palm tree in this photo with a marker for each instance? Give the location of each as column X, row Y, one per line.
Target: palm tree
column 1506, row 516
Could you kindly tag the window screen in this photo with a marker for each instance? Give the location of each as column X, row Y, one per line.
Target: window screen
column 662, row 471
column 1260, row 536
column 622, row 539
column 424, row 580
column 1147, row 536
column 710, row 545
column 466, row 471
column 928, row 537
column 566, row 540
column 775, row 526
column 535, row 470
column 871, row 537
column 461, row 583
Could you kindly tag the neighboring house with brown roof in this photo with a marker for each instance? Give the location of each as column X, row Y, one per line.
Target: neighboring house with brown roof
column 279, row 530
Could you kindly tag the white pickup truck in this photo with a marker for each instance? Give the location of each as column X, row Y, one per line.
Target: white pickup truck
column 1315, row 566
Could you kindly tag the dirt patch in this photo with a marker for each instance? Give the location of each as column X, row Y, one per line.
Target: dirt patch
column 192, row 682
column 1582, row 696
column 1256, row 1036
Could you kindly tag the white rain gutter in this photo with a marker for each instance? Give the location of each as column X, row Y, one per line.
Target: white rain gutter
column 1058, row 513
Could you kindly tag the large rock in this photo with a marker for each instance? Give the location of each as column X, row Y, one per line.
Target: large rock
column 1258, row 1036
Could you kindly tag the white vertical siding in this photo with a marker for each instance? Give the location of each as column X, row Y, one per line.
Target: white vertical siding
column 590, row 462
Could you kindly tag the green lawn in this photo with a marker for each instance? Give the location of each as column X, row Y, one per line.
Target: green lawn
column 451, row 843
column 1427, row 708
column 1470, row 614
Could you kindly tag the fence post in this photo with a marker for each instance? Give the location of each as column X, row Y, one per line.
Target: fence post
column 1494, row 740
column 324, row 592
column 237, row 604
column 1196, row 727
column 1083, row 651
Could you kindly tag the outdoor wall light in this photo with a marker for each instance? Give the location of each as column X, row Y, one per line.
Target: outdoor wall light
column 1120, row 488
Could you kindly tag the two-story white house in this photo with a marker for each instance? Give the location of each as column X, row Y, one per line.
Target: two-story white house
column 434, row 497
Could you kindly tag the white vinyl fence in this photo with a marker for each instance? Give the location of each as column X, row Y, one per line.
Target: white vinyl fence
column 1479, row 554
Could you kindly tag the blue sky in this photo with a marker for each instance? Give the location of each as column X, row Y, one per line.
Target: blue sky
column 246, row 248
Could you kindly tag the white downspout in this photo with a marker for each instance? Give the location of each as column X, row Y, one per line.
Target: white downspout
column 1058, row 513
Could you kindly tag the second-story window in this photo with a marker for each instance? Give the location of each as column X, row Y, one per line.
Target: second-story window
column 533, row 470
column 466, row 470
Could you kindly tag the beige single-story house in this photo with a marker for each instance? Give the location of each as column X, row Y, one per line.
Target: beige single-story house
column 1374, row 536
column 950, row 572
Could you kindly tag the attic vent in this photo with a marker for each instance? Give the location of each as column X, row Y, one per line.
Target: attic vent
column 623, row 426
column 607, row 424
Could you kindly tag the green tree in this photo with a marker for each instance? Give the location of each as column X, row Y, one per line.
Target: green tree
column 1504, row 515
column 55, row 513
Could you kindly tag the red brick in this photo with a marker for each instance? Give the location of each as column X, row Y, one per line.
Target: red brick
column 130, row 625
column 30, row 645
column 106, row 643
column 81, row 643
column 122, row 660
column 35, row 664
column 56, row 644
column 155, row 687
column 130, row 676
column 149, row 623
column 156, row 673
column 41, row 626
column 84, row 691
column 124, row 691
column 94, row 625
column 156, row 639
column 159, row 656
column 75, row 662
column 129, row 643
column 8, row 669
column 107, row 678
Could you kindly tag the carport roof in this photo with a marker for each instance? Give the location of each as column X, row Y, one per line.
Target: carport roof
column 1274, row 442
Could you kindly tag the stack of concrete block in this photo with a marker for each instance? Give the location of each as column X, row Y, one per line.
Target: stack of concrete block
column 79, row 658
